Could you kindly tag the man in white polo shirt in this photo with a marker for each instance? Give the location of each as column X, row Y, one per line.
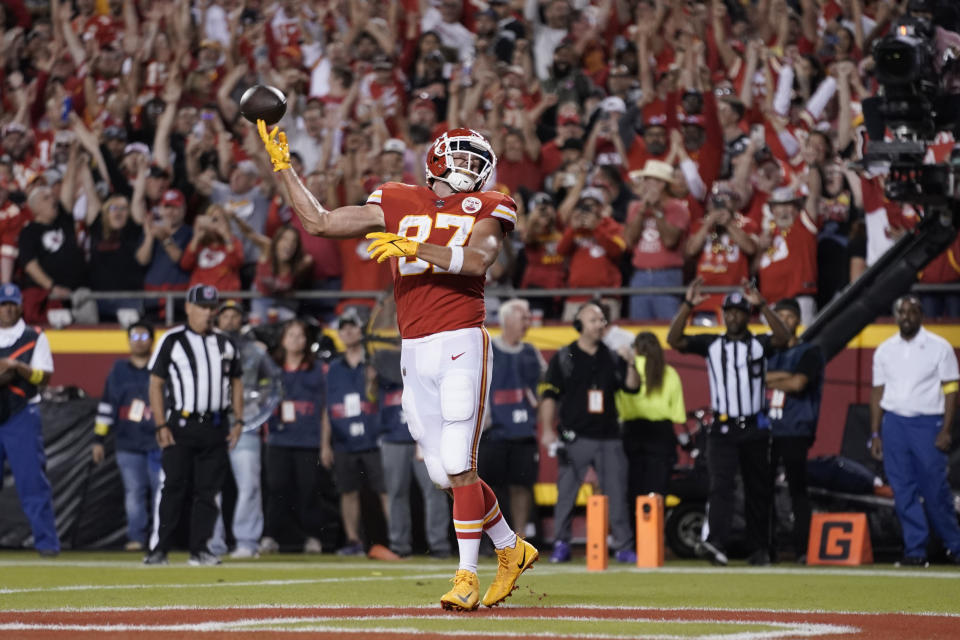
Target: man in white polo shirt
column 915, row 396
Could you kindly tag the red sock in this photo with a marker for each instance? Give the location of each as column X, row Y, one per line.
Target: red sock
column 494, row 524
column 491, row 508
column 468, row 513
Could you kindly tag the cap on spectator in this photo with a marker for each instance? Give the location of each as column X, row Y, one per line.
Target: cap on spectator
column 205, row 295
column 593, row 193
column 382, row 62
column 423, row 101
column 10, row 293
column 488, row 13
column 569, row 118
column 736, row 300
column 172, row 198
column 156, row 171
column 249, row 16
column 64, row 137
column 115, row 133
column 656, row 120
column 230, row 304
column 539, row 198
column 350, row 316
column 13, row 127
column 788, row 304
column 785, row 195
column 394, row 145
column 137, row 147
column 696, row 119
column 52, row 176
column 248, row 166
column 656, row 169
column 209, row 43
column 572, row 144
column 613, row 103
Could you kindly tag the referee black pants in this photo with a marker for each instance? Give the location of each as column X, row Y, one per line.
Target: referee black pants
column 748, row 449
column 194, row 469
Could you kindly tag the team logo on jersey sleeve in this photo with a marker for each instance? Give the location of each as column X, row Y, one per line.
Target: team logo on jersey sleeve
column 471, row 205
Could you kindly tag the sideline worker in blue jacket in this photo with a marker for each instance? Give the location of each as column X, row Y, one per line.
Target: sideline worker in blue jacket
column 26, row 364
column 350, row 430
column 794, row 388
column 125, row 406
column 509, row 457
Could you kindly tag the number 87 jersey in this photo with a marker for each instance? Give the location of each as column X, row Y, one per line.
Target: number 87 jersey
column 429, row 299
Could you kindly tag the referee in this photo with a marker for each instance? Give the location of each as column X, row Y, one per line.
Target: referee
column 736, row 363
column 196, row 396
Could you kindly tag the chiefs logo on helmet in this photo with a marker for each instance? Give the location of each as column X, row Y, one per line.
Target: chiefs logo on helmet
column 462, row 158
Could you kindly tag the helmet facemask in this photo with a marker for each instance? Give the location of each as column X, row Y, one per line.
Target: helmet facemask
column 462, row 158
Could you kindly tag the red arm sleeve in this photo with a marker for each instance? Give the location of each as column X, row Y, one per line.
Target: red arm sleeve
column 566, row 245
column 609, row 235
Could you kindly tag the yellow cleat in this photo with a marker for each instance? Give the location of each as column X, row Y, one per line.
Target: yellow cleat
column 465, row 595
column 513, row 561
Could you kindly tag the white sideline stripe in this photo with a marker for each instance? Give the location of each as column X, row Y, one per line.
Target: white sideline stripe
column 210, row 585
column 227, row 564
column 286, row 625
column 314, row 605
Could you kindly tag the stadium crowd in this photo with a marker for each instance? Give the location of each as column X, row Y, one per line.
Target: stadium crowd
column 644, row 141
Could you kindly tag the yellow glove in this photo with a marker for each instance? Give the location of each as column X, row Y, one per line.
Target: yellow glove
column 390, row 245
column 276, row 144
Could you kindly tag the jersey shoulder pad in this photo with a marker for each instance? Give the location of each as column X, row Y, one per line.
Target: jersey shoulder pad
column 500, row 206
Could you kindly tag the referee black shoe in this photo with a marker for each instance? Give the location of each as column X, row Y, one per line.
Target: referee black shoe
column 156, row 557
column 203, row 559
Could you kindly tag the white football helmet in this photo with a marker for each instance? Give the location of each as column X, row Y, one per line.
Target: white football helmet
column 462, row 158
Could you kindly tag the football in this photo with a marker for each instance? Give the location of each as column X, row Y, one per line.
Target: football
column 263, row 102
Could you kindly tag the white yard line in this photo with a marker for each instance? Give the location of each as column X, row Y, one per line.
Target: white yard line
column 218, row 585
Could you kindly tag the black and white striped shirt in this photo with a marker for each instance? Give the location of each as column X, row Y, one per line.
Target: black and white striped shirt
column 736, row 369
column 197, row 369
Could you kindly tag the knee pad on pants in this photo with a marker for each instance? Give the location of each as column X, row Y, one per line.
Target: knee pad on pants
column 456, row 448
column 436, row 471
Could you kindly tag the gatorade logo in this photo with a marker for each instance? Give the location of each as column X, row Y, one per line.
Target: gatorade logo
column 840, row 539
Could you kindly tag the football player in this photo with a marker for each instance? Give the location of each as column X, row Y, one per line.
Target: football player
column 444, row 237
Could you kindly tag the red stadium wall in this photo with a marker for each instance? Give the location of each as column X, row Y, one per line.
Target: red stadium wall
column 83, row 358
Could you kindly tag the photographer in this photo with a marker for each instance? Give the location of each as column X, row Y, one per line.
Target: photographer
column 583, row 379
column 725, row 242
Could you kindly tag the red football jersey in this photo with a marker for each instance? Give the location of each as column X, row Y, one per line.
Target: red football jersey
column 789, row 267
column 430, row 300
column 722, row 262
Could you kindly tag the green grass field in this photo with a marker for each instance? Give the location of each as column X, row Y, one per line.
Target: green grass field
column 293, row 593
